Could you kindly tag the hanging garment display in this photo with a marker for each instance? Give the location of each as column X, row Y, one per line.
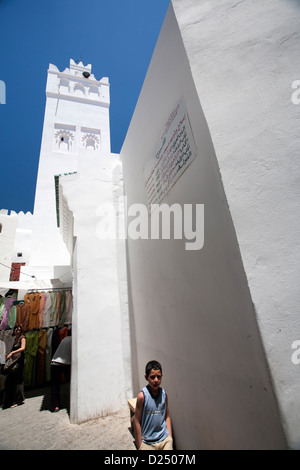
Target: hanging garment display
column 46, row 313
column 48, row 355
column 2, row 352
column 22, row 317
column 41, row 358
column 32, row 343
column 53, row 310
column 9, row 301
column 68, row 307
column 42, row 299
column 7, row 337
column 33, row 300
column 46, row 319
column 2, row 305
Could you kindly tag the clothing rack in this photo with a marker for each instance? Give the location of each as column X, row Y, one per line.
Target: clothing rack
column 54, row 289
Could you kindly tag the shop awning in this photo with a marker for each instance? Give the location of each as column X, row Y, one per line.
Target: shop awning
column 31, row 284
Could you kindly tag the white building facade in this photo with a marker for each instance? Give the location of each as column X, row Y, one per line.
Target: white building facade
column 8, row 228
column 226, row 316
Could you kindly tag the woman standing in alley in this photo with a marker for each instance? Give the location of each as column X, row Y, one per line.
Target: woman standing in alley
column 14, row 388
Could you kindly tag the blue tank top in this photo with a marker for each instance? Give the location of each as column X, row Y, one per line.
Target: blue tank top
column 153, row 422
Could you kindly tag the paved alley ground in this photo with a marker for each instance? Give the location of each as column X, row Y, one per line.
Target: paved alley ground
column 33, row 427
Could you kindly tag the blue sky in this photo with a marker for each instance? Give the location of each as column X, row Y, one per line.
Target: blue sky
column 116, row 36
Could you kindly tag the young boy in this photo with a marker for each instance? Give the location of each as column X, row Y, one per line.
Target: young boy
column 152, row 421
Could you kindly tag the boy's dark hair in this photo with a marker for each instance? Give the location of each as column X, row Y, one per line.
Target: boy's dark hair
column 155, row 365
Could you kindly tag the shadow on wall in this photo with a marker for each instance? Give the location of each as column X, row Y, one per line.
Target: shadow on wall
column 133, row 345
column 192, row 310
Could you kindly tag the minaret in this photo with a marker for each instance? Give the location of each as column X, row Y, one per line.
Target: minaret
column 76, row 120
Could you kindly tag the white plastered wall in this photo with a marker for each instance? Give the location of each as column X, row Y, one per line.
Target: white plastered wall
column 23, row 238
column 192, row 310
column 8, row 227
column 244, row 60
column 101, row 357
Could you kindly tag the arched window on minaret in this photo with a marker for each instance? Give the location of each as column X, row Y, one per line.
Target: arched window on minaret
column 91, row 141
column 79, row 89
column 94, row 91
column 64, row 140
column 64, row 86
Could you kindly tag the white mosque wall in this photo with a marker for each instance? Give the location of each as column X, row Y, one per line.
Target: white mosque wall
column 15, row 233
column 101, row 357
column 244, row 61
column 22, row 243
column 8, row 227
column 192, row 309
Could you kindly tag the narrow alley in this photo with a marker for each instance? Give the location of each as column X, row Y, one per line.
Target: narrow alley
column 33, row 427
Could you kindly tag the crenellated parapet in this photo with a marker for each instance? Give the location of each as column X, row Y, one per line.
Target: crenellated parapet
column 77, row 83
column 14, row 213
